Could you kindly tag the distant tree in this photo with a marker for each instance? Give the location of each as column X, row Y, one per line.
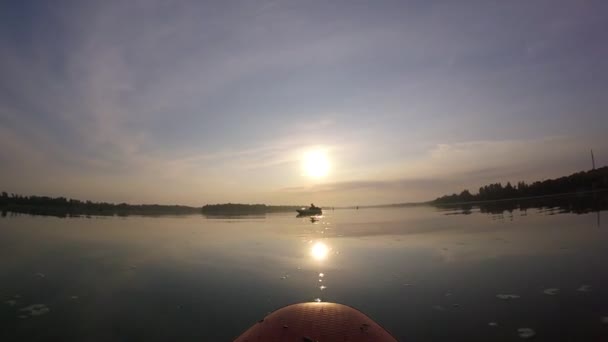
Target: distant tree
column 466, row 195
column 581, row 181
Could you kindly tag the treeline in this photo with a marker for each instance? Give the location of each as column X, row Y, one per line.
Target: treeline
column 65, row 207
column 69, row 207
column 230, row 209
column 578, row 182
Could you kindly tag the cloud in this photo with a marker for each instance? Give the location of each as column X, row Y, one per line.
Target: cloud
column 553, row 156
column 375, row 185
column 448, row 168
column 158, row 101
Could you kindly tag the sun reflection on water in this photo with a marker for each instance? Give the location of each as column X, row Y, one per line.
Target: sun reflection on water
column 319, row 251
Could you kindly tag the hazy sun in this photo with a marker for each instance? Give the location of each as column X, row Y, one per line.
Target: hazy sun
column 315, row 163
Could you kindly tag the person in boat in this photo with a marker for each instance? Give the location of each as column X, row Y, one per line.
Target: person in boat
column 312, row 206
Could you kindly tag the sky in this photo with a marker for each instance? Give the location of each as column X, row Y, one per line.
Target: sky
column 196, row 102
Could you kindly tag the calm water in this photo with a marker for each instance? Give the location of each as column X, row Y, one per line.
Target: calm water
column 424, row 275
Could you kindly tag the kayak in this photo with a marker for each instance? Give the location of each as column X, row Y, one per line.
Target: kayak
column 310, row 322
column 309, row 211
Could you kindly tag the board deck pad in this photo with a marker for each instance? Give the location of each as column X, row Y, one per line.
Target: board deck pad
column 311, row 322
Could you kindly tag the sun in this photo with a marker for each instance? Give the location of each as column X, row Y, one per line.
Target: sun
column 315, row 163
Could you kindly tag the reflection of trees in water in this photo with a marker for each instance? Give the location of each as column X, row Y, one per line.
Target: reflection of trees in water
column 571, row 203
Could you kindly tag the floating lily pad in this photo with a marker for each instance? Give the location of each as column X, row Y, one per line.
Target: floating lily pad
column 584, row 288
column 36, row 309
column 551, row 292
column 507, row 296
column 526, row 332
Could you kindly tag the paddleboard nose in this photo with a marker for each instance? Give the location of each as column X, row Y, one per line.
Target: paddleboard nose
column 316, row 322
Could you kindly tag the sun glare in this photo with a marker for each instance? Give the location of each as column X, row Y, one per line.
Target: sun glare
column 315, row 163
column 319, row 251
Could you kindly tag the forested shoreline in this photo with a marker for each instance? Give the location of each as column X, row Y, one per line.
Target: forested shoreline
column 65, row 207
column 580, row 182
column 69, row 207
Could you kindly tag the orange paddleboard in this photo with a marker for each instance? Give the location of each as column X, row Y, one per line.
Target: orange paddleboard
column 310, row 322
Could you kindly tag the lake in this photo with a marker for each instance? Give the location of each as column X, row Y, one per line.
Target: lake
column 424, row 274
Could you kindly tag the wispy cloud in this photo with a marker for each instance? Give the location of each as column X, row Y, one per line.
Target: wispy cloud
column 447, row 168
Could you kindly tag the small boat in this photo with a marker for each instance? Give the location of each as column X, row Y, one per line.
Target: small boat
column 309, row 211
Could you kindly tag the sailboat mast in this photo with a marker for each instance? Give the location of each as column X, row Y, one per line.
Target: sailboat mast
column 592, row 160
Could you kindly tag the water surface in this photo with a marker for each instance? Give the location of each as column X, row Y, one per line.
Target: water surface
column 422, row 273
